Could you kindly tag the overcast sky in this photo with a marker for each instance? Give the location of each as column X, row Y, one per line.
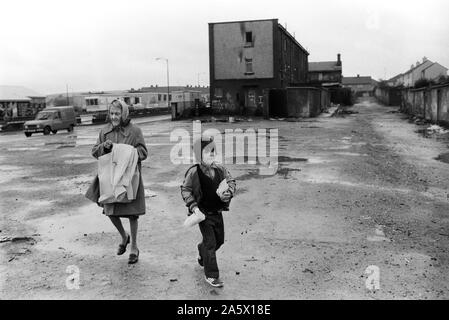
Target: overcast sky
column 107, row 45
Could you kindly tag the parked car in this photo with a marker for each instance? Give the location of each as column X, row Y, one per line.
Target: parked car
column 100, row 116
column 51, row 119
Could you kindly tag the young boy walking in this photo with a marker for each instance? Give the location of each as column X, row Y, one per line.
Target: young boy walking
column 199, row 192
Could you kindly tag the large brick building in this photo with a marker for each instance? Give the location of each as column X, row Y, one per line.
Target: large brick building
column 248, row 57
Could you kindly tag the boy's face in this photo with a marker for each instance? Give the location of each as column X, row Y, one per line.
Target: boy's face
column 208, row 156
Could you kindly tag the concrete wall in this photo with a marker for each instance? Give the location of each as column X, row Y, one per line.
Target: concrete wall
column 388, row 96
column 429, row 103
column 231, row 50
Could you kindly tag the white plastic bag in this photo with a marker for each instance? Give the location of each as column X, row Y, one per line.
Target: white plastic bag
column 194, row 219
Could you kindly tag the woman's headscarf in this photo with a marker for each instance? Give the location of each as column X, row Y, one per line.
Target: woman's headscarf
column 124, row 120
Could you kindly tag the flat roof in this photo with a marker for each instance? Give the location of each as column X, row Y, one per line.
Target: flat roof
column 240, row 21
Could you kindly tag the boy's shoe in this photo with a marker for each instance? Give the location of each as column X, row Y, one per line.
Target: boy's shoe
column 214, row 282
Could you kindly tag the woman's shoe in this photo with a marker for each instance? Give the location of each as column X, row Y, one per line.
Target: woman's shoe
column 122, row 247
column 133, row 258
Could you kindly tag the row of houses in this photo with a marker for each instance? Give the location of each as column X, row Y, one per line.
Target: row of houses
column 428, row 100
column 426, row 69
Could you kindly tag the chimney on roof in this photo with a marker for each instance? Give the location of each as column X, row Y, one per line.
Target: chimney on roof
column 424, row 59
column 358, row 76
column 412, row 66
column 338, row 59
column 417, row 63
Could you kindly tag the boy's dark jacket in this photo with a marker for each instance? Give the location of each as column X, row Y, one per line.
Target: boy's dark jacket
column 191, row 188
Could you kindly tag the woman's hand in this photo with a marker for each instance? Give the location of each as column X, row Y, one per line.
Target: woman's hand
column 107, row 144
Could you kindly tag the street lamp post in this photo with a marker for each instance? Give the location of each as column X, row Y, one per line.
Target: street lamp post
column 168, row 82
column 198, row 74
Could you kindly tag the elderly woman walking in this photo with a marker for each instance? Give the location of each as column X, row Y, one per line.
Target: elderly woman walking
column 120, row 130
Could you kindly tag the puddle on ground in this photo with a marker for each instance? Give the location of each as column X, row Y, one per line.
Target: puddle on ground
column 170, row 184
column 73, row 155
column 164, row 144
column 80, row 161
column 286, row 172
column 289, row 159
column 86, row 142
column 251, row 174
column 70, row 233
column 444, row 157
column 318, row 160
column 5, row 167
column 340, row 147
column 351, row 154
column 23, row 149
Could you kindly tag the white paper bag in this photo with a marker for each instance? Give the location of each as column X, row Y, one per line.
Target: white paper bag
column 194, row 219
column 223, row 187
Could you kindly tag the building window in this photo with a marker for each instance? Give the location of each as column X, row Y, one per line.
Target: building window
column 218, row 92
column 249, row 38
column 165, row 97
column 92, row 102
column 249, row 66
column 126, row 100
column 159, row 97
column 285, row 44
column 136, row 100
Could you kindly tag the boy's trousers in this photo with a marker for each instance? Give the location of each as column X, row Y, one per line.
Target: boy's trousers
column 212, row 229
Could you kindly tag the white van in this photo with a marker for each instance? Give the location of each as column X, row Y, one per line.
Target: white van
column 51, row 119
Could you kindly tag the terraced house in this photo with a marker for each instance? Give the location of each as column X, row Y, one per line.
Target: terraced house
column 249, row 57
